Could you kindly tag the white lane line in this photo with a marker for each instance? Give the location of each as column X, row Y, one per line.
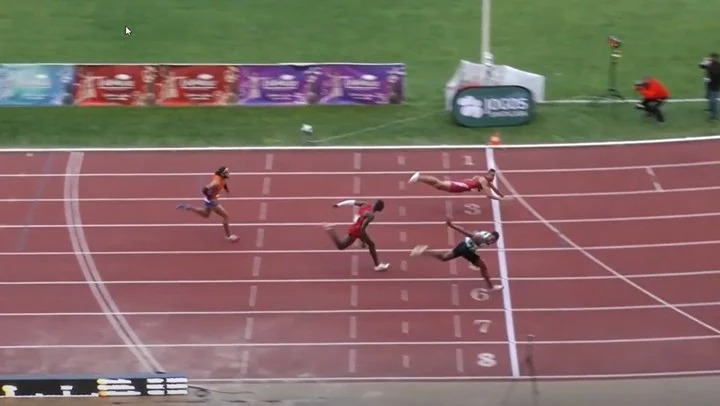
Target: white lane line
column 457, row 326
column 353, row 327
column 252, row 297
column 249, row 323
column 352, row 360
column 628, row 194
column 679, row 339
column 354, row 295
column 359, row 311
column 257, row 261
column 428, row 170
column 654, row 178
column 402, row 211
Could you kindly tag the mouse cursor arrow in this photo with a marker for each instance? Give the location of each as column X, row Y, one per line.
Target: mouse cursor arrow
column 127, row 30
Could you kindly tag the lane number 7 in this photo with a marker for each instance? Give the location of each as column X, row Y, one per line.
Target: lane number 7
column 483, row 325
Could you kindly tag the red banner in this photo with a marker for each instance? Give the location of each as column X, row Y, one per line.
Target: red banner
column 109, row 85
column 233, row 85
column 197, row 85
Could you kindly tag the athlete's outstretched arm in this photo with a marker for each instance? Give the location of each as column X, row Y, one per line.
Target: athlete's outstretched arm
column 350, row 203
column 458, row 229
column 496, row 190
column 490, row 195
column 484, row 272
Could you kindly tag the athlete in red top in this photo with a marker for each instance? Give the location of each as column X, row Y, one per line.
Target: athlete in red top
column 482, row 184
column 211, row 200
column 358, row 230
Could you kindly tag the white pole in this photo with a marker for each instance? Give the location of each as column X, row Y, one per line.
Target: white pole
column 485, row 39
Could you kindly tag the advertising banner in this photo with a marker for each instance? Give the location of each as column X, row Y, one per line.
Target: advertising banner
column 492, row 106
column 322, row 84
column 36, row 85
column 213, row 85
column 115, row 85
column 186, row 85
column 271, row 85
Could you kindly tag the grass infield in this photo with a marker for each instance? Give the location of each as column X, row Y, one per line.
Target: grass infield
column 565, row 40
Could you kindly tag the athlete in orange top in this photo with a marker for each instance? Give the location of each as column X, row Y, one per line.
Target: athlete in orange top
column 358, row 230
column 482, row 184
column 211, row 200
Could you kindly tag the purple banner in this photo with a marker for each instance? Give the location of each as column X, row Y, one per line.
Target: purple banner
column 324, row 84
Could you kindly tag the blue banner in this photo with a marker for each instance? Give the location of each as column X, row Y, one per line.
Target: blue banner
column 36, row 85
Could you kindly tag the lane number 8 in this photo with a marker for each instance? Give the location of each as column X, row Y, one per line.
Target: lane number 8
column 486, row 360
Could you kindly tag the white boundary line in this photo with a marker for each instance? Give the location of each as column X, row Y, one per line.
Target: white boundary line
column 90, row 272
column 359, row 147
column 72, row 218
column 503, row 270
column 603, row 101
column 456, row 378
column 376, row 127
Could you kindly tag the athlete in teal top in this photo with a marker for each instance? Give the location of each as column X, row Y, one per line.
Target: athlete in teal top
column 466, row 249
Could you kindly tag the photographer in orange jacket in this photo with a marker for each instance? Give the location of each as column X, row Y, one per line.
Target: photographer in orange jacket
column 653, row 95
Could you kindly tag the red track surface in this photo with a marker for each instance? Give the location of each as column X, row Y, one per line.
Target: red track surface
column 628, row 289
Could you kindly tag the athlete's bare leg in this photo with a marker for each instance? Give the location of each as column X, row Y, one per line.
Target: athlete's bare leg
column 373, row 253
column 430, row 180
column 341, row 244
column 439, row 255
column 448, row 255
column 371, row 247
column 220, row 211
column 204, row 212
column 480, row 265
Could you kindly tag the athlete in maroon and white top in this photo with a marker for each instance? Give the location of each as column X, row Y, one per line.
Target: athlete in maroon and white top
column 482, row 184
column 358, row 229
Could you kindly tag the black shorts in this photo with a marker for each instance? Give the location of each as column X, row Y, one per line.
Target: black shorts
column 462, row 250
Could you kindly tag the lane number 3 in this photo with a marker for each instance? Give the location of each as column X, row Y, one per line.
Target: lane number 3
column 472, row 209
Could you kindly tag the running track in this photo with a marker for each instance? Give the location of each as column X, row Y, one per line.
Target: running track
column 611, row 254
